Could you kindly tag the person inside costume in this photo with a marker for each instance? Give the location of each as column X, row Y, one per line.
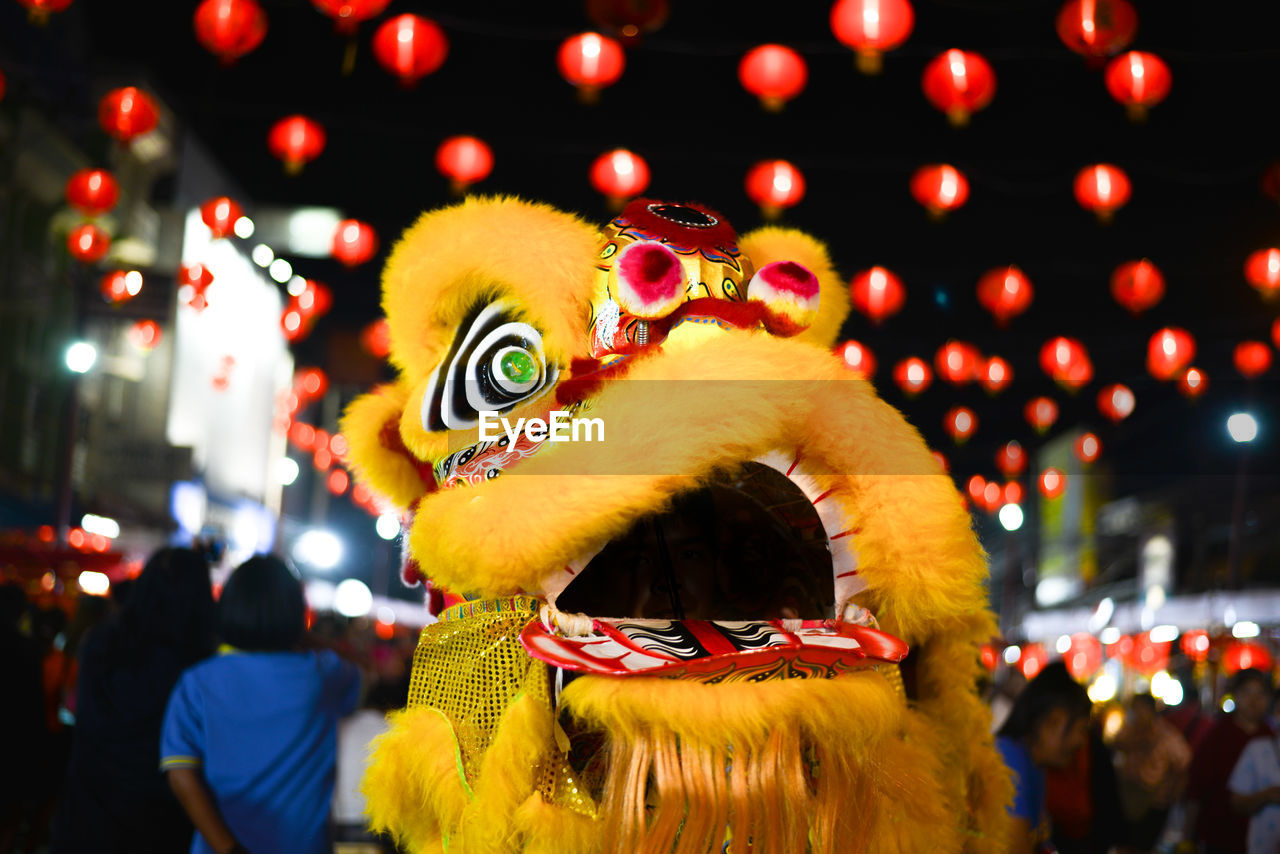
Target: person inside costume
column 250, row 736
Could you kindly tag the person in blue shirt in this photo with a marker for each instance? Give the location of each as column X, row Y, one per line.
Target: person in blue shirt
column 250, row 736
column 1048, row 723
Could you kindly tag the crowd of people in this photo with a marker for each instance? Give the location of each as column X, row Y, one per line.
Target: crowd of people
column 163, row 720
column 1184, row 780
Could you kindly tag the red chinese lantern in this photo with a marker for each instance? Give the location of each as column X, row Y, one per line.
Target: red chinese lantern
column 619, row 175
column 1083, row 656
column 296, row 140
column 145, row 334
column 872, row 27
column 1137, row 285
column 293, row 324
column 92, row 191
column 877, row 293
column 1103, row 189
column 590, row 62
column 349, row 14
column 976, row 487
column 1148, row 656
column 942, row 461
column 410, row 47
column 940, row 188
column 957, row 362
column 992, row 497
column 220, row 215
column 912, row 375
column 1011, row 459
column 858, row 359
column 310, row 383
column 1012, row 493
column 1275, row 332
column 1193, row 382
column 1262, row 270
column 1195, row 644
column 87, row 243
column 1096, row 28
column 1005, row 292
column 354, row 242
column 229, row 29
column 338, row 481
column 464, row 160
column 193, row 280
column 1139, row 81
column 1243, row 655
column 1033, row 659
column 959, row 83
column 1066, row 362
column 774, row 185
column 1169, row 351
column 303, row 436
column 1052, row 482
column 988, row 655
column 1116, row 402
column 315, row 300
column 773, row 73
column 376, row 338
column 127, row 113
column 1087, row 448
column 995, row 375
column 1041, row 413
column 119, row 285
column 1252, row 358
column 960, row 422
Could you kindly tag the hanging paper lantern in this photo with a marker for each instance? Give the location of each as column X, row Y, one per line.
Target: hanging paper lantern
column 1084, row 656
column 1252, row 358
column 872, row 27
column 1087, row 448
column 1052, row 482
column 995, row 374
column 229, row 29
column 120, row 285
column 1195, row 644
column 1262, row 270
column 940, row 188
column 1139, row 81
column 1033, row 659
column 1103, row 189
column 1169, row 351
column 127, row 113
column 858, row 359
column 1137, row 285
column 38, row 11
column 376, row 338
column 410, row 47
column 591, row 62
column 338, row 481
column 92, row 191
column 960, row 422
column 310, row 383
column 1066, row 362
column 976, row 487
column 296, row 140
column 619, row 175
column 1041, row 413
column 959, row 83
column 629, row 19
column 349, row 14
column 877, row 293
column 1116, row 402
column 912, row 375
column 1193, row 382
column 354, row 242
column 1011, row 459
column 942, row 461
column 1012, row 493
column 464, row 160
column 1096, row 28
column 773, row 73
column 87, row 243
column 774, row 185
column 145, row 334
column 315, row 300
column 193, row 281
column 293, row 324
column 992, row 497
column 1275, row 332
column 1245, row 655
column 1148, row 656
column 988, row 655
column 957, row 362
column 1005, row 292
column 220, row 215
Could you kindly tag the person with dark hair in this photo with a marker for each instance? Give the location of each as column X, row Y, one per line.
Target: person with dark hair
column 1047, row 725
column 1210, row 819
column 114, row 797
column 250, row 736
column 1153, row 759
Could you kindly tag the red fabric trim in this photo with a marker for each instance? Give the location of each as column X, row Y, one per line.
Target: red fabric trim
column 712, row 641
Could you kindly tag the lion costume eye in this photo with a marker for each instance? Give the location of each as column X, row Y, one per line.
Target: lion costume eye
column 495, row 363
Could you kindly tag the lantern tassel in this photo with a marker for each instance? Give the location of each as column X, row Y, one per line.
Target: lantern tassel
column 349, row 57
column 1137, row 113
column 870, row 62
column 958, row 116
column 588, row 95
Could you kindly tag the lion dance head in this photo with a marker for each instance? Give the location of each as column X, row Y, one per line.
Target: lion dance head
column 701, row 589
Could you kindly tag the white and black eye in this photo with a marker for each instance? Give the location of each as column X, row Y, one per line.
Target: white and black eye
column 495, row 363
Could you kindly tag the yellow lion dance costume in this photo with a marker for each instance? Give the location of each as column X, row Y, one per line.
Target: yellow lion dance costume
column 686, row 626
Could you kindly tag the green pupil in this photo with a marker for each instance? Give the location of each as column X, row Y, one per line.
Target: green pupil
column 518, row 366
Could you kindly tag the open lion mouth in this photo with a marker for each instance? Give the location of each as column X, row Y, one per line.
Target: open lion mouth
column 738, row 580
